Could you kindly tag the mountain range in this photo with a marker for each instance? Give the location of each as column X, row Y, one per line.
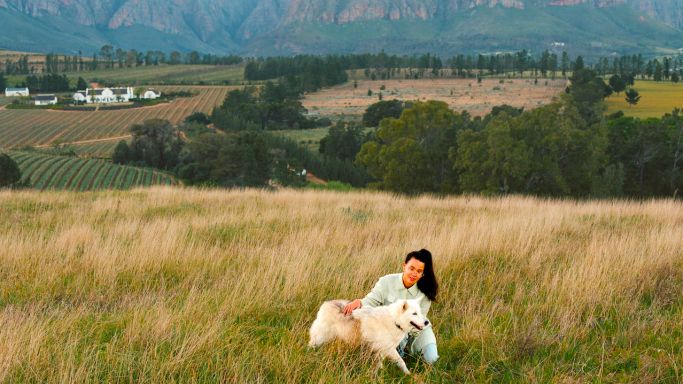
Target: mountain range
column 267, row 27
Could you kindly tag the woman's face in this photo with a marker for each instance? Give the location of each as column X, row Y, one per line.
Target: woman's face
column 412, row 272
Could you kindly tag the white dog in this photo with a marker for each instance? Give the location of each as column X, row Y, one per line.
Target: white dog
column 380, row 328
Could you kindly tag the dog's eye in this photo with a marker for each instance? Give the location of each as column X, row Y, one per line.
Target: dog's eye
column 415, row 313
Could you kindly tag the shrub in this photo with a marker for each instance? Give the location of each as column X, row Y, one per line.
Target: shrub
column 10, row 174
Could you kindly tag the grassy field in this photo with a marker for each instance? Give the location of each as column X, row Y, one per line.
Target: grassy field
column 460, row 94
column 658, row 98
column 44, row 172
column 19, row 128
column 308, row 137
column 155, row 75
column 185, row 285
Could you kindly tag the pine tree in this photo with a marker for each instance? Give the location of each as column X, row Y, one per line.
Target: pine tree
column 632, row 97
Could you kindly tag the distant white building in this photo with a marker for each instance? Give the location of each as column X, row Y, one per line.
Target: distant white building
column 79, row 97
column 108, row 95
column 45, row 100
column 14, row 92
column 150, row 94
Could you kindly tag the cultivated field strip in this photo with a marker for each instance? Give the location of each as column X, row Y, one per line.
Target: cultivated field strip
column 167, row 74
column 48, row 172
column 20, row 128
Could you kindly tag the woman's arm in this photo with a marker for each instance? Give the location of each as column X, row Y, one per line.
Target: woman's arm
column 373, row 299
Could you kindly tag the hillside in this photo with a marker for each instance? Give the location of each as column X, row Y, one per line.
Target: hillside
column 257, row 27
column 27, row 127
column 183, row 285
column 48, row 172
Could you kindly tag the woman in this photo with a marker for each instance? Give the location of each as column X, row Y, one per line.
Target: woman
column 416, row 282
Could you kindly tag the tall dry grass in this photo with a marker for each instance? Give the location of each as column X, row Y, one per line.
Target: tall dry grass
column 182, row 285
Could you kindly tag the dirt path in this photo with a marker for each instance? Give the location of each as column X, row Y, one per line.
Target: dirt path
column 315, row 180
column 91, row 141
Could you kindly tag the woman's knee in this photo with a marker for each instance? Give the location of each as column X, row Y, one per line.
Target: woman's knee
column 430, row 354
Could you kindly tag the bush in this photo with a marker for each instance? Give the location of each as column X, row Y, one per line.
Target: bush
column 10, row 174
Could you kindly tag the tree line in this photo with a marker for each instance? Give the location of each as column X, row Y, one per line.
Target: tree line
column 109, row 57
column 321, row 71
column 200, row 155
column 564, row 149
column 274, row 106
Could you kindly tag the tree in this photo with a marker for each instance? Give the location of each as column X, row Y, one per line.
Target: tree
column 343, row 141
column 107, row 52
column 658, row 71
column 565, row 64
column 121, row 153
column 588, row 91
column 410, row 154
column 233, row 159
column 632, row 97
column 81, row 84
column 120, row 56
column 3, row 82
column 381, row 110
column 617, row 83
column 643, row 148
column 549, row 151
column 176, row 58
column 675, row 78
column 675, row 121
column 155, row 143
column 10, row 174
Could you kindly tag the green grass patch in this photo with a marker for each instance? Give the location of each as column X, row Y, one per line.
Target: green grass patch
column 657, row 99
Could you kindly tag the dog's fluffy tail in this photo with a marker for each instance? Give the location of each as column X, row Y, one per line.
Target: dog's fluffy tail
column 327, row 324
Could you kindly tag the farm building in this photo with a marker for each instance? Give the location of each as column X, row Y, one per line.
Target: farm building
column 108, row 95
column 79, row 97
column 10, row 92
column 150, row 94
column 45, row 100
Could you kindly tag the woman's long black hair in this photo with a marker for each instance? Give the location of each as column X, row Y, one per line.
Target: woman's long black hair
column 427, row 284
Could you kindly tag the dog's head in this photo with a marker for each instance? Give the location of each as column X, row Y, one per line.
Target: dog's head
column 409, row 315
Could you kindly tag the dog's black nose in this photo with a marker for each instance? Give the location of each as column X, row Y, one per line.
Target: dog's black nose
column 426, row 322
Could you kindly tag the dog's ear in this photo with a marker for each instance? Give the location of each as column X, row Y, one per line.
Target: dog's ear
column 405, row 305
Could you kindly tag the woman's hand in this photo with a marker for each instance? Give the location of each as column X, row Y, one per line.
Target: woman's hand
column 350, row 307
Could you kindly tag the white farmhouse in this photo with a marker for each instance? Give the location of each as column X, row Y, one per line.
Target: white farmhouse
column 150, row 94
column 79, row 97
column 108, row 95
column 45, row 100
column 14, row 92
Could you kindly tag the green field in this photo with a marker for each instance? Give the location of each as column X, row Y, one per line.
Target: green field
column 308, row 137
column 156, row 75
column 658, row 98
column 44, row 172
